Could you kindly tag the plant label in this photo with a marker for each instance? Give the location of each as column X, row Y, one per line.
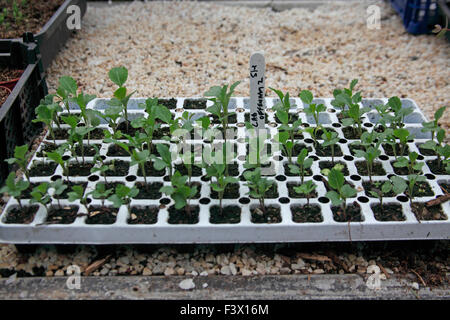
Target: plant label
column 257, row 90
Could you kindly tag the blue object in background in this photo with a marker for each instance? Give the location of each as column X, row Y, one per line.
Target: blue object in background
column 419, row 16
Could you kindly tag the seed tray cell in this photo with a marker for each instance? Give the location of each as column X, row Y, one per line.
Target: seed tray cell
column 286, row 230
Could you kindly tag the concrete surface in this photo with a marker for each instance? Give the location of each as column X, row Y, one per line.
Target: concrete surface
column 342, row 287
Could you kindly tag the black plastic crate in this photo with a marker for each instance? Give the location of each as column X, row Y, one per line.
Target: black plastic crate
column 17, row 112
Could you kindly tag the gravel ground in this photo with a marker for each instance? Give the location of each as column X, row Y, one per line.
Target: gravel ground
column 204, row 44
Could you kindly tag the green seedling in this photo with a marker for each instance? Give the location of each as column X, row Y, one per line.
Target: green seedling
column 15, row 189
column 40, row 195
column 255, row 141
column 140, row 158
column 338, row 166
column 370, row 154
column 303, row 164
column 91, row 118
column 313, row 110
column 57, row 156
column 149, row 124
column 77, row 193
column 119, row 76
column 398, row 121
column 341, row 97
column 412, row 180
column 442, row 150
column 100, row 192
column 166, row 158
column 307, row 189
column 21, row 159
column 218, row 171
column 102, row 167
column 56, row 189
column 46, row 113
column 67, row 91
column 330, row 138
column 403, row 135
column 123, row 196
column 258, row 186
column 112, row 116
column 396, row 184
column 410, row 163
column 180, row 192
column 341, row 191
column 220, row 96
column 433, row 126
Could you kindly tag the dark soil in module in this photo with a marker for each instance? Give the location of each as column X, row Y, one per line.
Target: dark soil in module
column 144, row 215
column 161, row 132
column 326, row 151
column 293, row 194
column 119, row 169
column 43, row 169
column 231, row 119
column 401, row 171
column 196, row 171
column 233, row 169
column 80, row 169
column 35, row 16
column 377, row 169
column 65, row 194
column 390, row 212
column 149, row 191
column 61, row 215
column 168, row 103
column 351, row 134
column 88, row 150
column 305, row 213
column 150, row 171
column 435, row 168
column 320, row 132
column 116, row 151
column 271, row 214
column 425, row 152
column 127, row 129
column 101, row 215
column 194, row 104
column 287, row 171
column 296, row 150
column 46, row 147
column 354, row 147
column 229, row 214
column 421, row 189
column 60, row 134
column 390, row 152
column 231, row 192
column 376, row 186
column 182, row 217
column 422, row 212
column 330, row 165
column 352, row 214
column 21, row 216
column 199, row 189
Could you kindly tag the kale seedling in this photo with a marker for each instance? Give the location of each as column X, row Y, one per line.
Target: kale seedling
column 100, row 192
column 15, row 189
column 330, row 138
column 341, row 191
column 119, row 76
column 433, row 126
column 180, row 192
column 123, row 196
column 66, row 91
column 313, row 110
column 47, row 114
column 40, row 195
column 221, row 99
column 370, row 154
column 218, row 171
column 112, row 116
column 410, row 163
column 21, row 159
column 307, row 189
column 166, row 159
column 287, row 132
column 140, row 158
column 441, row 149
column 258, row 186
column 57, row 188
column 412, row 180
column 341, row 97
column 403, row 135
column 57, row 156
column 396, row 184
column 90, row 117
column 77, row 193
column 303, row 164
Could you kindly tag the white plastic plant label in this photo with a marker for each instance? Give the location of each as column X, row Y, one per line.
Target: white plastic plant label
column 257, row 90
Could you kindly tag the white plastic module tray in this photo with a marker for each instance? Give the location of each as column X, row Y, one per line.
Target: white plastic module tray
column 287, row 230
